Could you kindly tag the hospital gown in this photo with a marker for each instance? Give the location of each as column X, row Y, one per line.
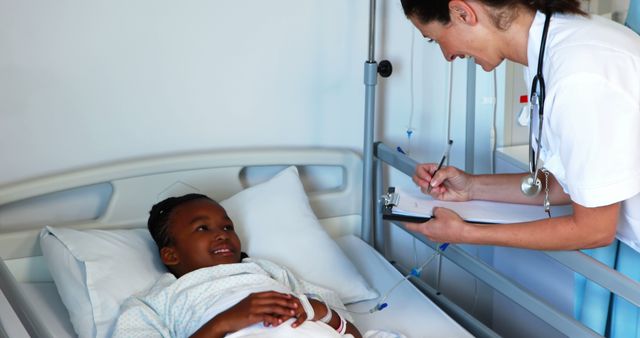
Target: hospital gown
column 179, row 307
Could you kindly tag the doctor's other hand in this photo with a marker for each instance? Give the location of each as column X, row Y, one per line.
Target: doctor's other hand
column 447, row 184
column 445, row 227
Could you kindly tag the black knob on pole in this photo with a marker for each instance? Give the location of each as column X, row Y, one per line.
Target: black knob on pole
column 384, row 68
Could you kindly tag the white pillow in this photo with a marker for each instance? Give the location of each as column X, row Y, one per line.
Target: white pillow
column 274, row 221
column 96, row 270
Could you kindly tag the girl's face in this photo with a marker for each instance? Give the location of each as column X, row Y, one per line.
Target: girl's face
column 203, row 236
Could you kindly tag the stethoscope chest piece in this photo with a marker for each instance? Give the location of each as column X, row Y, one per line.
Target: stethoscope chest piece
column 530, row 187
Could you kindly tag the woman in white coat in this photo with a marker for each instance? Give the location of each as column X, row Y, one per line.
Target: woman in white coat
column 584, row 73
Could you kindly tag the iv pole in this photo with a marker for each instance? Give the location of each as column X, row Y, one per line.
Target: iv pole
column 371, row 70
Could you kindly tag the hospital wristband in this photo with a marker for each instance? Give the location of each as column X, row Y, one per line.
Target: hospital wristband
column 327, row 318
column 306, row 306
column 342, row 329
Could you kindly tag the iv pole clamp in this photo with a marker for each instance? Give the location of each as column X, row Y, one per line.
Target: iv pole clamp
column 385, row 68
column 371, row 70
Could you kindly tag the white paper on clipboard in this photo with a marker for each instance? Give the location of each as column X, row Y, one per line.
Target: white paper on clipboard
column 415, row 203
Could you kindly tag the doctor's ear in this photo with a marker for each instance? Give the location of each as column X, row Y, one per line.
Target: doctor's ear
column 169, row 256
column 461, row 11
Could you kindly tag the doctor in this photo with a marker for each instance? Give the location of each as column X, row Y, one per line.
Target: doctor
column 584, row 77
column 588, row 90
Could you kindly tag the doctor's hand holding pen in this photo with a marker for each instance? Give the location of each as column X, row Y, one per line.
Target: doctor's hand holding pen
column 586, row 228
column 447, row 183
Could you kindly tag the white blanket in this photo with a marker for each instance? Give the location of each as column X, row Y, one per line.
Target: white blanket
column 308, row 329
column 179, row 307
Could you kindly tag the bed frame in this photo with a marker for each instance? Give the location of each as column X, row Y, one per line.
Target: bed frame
column 134, row 185
column 129, row 189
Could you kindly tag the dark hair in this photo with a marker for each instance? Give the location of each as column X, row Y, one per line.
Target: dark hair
column 158, row 222
column 429, row 10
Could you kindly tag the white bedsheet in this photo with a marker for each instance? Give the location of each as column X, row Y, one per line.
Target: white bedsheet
column 409, row 312
column 308, row 329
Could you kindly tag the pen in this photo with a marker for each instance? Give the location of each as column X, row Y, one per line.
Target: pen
column 444, row 156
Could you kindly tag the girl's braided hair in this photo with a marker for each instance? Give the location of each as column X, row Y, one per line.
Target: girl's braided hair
column 159, row 214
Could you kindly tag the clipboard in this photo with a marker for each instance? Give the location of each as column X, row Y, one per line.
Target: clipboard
column 389, row 215
column 389, row 211
column 415, row 207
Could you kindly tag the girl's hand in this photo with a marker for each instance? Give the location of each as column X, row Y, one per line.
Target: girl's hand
column 270, row 307
column 448, row 184
column 300, row 314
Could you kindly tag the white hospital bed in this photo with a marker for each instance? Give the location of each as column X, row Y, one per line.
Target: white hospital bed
column 126, row 191
column 132, row 187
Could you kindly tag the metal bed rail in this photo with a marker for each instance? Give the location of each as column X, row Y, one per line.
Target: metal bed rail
column 23, row 309
column 574, row 260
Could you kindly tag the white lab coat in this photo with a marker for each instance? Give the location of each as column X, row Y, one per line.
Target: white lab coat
column 591, row 129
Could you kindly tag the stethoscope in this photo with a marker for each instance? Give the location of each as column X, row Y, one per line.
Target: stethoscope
column 530, row 184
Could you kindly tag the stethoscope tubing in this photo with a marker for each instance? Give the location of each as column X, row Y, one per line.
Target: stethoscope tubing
column 537, row 101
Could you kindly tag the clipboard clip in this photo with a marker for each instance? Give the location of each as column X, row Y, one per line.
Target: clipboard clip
column 389, row 201
column 391, row 198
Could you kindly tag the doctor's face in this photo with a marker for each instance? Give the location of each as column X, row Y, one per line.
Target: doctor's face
column 460, row 40
column 203, row 236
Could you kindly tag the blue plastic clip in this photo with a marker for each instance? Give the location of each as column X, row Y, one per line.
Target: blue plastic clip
column 378, row 307
column 443, row 246
column 416, row 272
column 400, row 150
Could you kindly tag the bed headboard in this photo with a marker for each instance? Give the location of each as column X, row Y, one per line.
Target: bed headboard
column 119, row 195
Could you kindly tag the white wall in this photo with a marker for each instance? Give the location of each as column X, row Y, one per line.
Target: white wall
column 84, row 82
